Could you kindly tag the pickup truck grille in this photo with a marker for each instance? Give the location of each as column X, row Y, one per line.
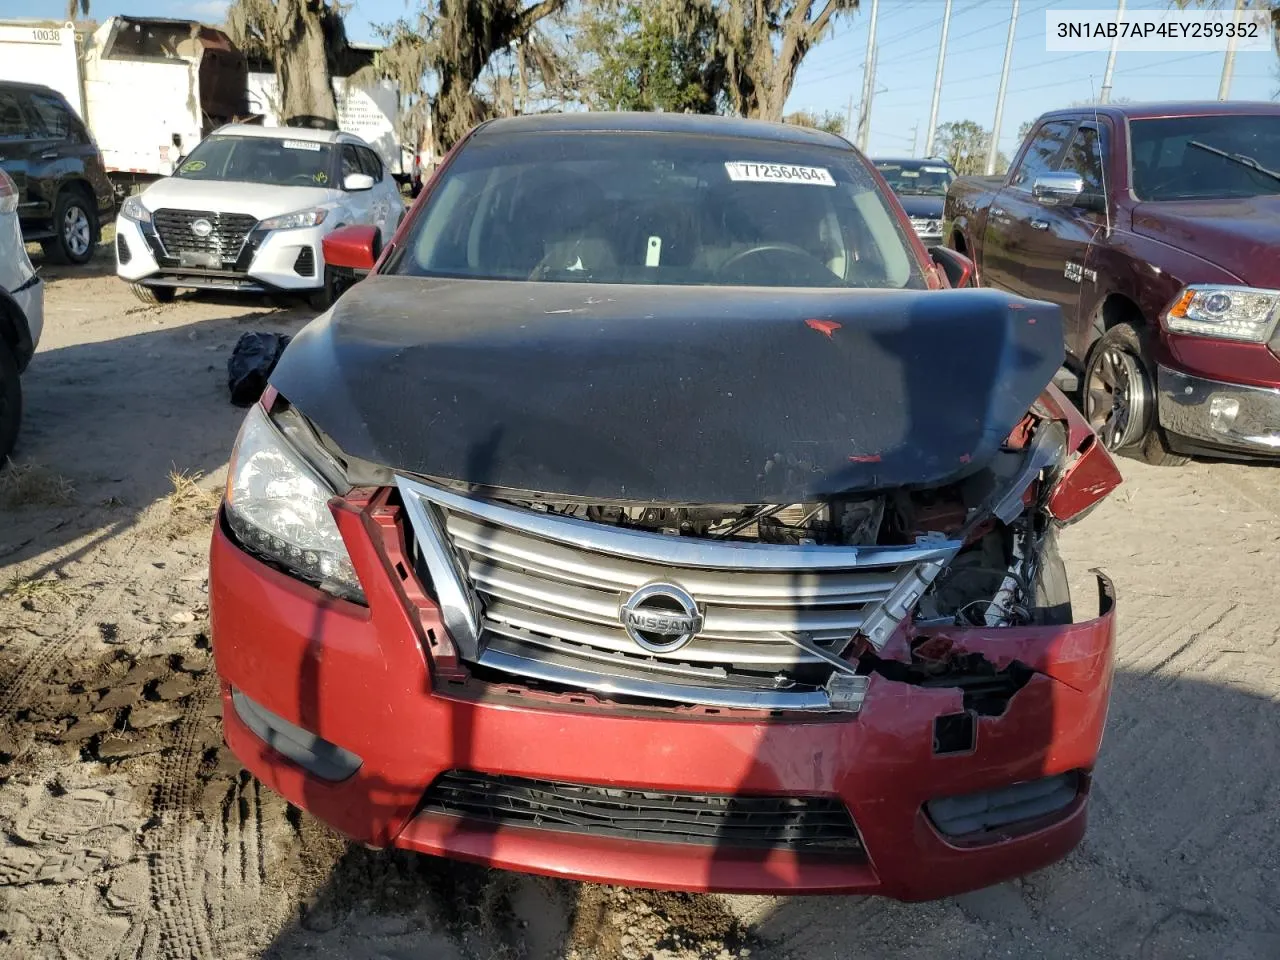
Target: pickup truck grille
column 540, row 596
column 819, row 824
column 226, row 237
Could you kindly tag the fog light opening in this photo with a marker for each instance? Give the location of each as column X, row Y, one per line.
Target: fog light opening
column 1222, row 413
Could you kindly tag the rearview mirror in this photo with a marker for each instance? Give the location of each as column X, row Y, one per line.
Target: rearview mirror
column 1057, row 189
column 357, row 181
column 958, row 268
column 355, row 248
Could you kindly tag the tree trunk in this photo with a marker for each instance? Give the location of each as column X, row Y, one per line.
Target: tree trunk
column 303, row 69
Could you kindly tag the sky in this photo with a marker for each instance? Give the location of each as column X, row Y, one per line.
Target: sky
column 908, row 33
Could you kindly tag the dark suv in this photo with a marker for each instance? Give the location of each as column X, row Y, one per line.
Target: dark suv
column 64, row 195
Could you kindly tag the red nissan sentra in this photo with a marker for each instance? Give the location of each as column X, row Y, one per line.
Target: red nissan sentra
column 656, row 513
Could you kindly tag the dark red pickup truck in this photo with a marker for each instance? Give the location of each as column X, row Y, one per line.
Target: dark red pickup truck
column 1156, row 228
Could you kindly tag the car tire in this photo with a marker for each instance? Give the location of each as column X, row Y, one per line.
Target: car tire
column 1118, row 398
column 153, row 294
column 76, row 223
column 10, row 402
column 323, row 298
column 1051, row 596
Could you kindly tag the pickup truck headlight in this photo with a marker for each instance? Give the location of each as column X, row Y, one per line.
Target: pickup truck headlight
column 292, row 221
column 133, row 209
column 278, row 506
column 1226, row 312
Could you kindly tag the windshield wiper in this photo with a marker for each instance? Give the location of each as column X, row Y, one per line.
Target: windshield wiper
column 1243, row 159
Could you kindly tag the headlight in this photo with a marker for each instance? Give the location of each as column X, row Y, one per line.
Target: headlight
column 279, row 507
column 133, row 209
column 1230, row 313
column 299, row 218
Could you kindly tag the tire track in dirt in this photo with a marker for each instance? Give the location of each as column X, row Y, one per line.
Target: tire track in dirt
column 183, row 918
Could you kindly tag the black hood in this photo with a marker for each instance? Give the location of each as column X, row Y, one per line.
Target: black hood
column 671, row 394
column 922, row 206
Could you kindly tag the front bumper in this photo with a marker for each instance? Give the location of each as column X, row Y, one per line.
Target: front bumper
column 357, row 679
column 1211, row 416
column 268, row 262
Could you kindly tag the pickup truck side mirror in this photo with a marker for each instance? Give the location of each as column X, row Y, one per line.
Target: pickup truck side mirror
column 1057, row 189
column 958, row 268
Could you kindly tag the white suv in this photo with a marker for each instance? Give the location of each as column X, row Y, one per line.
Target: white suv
column 21, row 314
column 247, row 209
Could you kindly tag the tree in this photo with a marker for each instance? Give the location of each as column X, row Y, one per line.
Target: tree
column 305, row 40
column 964, row 144
column 828, row 121
column 453, row 42
column 637, row 59
column 760, row 44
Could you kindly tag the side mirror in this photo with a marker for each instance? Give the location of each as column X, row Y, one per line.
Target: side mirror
column 355, row 247
column 958, row 268
column 1057, row 189
column 357, row 181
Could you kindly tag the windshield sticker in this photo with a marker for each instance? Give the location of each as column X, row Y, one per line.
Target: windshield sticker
column 302, row 145
column 888, row 166
column 746, row 171
column 193, row 166
column 911, row 173
column 320, row 177
column 934, row 169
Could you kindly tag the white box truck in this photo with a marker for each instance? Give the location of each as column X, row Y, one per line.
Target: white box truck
column 148, row 88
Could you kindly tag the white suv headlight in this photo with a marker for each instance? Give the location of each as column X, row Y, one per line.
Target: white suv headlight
column 292, row 221
column 133, row 209
column 1227, row 312
column 278, row 506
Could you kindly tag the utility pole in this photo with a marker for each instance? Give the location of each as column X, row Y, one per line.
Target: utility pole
column 868, row 80
column 1111, row 59
column 914, row 130
column 1228, row 65
column 848, row 119
column 937, row 82
column 993, row 150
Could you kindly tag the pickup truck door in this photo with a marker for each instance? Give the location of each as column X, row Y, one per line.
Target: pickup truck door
column 1057, row 269
column 1009, row 239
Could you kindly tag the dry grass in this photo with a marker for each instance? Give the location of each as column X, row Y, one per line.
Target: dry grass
column 190, row 506
column 33, row 485
column 30, row 591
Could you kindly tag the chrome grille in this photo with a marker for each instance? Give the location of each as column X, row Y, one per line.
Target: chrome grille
column 225, row 239
column 539, row 595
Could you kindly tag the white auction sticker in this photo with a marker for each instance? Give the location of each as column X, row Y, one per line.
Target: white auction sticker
column 749, row 171
column 301, row 145
column 1245, row 31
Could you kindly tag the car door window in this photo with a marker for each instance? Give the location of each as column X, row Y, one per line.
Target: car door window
column 53, row 116
column 370, row 163
column 1084, row 157
column 1042, row 153
column 14, row 124
column 350, row 161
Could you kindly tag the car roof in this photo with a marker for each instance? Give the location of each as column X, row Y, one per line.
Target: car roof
column 682, row 123
column 31, row 87
column 1172, row 108
column 287, row 133
column 920, row 160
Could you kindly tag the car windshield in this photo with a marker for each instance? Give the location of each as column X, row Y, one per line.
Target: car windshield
column 299, row 163
column 658, row 208
column 1179, row 158
column 916, row 179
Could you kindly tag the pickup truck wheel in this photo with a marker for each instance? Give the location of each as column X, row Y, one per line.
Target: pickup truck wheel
column 10, row 402
column 1119, row 398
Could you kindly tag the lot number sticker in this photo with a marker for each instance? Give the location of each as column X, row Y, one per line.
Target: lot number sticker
column 745, row 170
column 302, row 145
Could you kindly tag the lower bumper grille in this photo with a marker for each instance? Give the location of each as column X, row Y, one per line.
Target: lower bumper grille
column 305, row 265
column 813, row 824
column 123, row 253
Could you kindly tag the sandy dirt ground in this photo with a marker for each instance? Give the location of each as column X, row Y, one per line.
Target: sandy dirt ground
column 130, row 831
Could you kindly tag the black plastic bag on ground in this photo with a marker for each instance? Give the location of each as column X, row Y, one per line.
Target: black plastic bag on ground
column 251, row 363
